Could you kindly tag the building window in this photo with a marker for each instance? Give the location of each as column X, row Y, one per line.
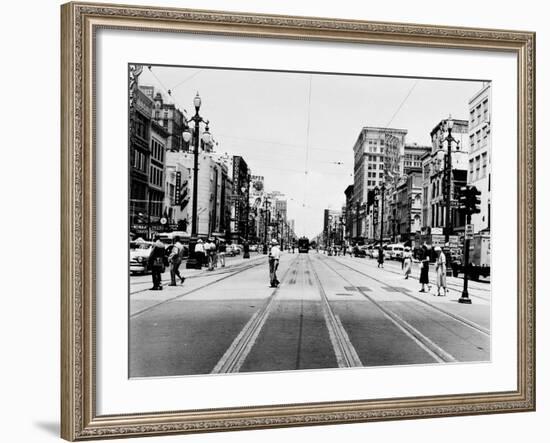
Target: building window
column 472, row 143
column 471, row 170
column 472, row 116
column 477, row 167
column 485, row 109
column 484, row 165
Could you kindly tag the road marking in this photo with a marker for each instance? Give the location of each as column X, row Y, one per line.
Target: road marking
column 456, row 317
column 420, row 339
column 346, row 355
column 236, row 354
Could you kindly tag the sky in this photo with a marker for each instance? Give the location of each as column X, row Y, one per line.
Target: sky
column 298, row 129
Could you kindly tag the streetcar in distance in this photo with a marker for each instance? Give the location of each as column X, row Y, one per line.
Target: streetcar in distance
column 303, row 245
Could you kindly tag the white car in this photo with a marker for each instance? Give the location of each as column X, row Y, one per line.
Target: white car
column 139, row 256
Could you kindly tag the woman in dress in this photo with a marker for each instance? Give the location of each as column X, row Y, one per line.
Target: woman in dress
column 407, row 261
column 424, row 268
column 441, row 271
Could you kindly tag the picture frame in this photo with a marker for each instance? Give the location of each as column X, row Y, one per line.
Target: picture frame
column 79, row 242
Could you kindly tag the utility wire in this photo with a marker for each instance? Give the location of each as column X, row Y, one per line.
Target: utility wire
column 187, row 79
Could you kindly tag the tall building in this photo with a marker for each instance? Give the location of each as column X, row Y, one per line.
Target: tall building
column 139, row 163
column 378, row 158
column 168, row 116
column 241, row 197
column 333, row 234
column 157, row 160
column 434, row 175
column 479, row 155
column 349, row 213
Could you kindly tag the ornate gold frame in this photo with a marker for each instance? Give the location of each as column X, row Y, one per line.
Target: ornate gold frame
column 79, row 22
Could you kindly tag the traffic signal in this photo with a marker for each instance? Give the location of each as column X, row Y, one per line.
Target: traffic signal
column 474, row 200
column 468, row 200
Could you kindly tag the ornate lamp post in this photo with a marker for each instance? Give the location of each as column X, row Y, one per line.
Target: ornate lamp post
column 192, row 262
column 246, row 191
column 448, row 178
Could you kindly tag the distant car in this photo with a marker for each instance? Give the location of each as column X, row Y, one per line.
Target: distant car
column 253, row 248
column 359, row 251
column 139, row 256
column 233, row 250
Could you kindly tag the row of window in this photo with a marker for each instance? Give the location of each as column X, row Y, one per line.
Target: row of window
column 138, row 160
column 372, row 166
column 373, row 175
column 479, row 138
column 481, row 111
column 478, row 167
column 157, row 150
column 156, row 175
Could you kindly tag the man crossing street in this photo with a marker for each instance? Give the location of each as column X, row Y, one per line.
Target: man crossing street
column 274, row 257
column 174, row 259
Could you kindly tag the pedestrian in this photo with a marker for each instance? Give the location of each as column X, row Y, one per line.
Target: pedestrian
column 407, row 262
column 209, row 249
column 222, row 250
column 246, row 249
column 274, row 257
column 424, row 268
column 199, row 252
column 174, row 260
column 156, row 263
column 380, row 257
column 441, row 271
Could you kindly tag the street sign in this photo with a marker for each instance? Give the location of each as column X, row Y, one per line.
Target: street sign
column 469, row 232
column 438, row 240
column 437, row 231
column 453, row 241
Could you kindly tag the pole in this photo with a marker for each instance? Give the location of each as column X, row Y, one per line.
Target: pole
column 265, row 227
column 448, row 171
column 383, row 189
column 194, row 230
column 246, row 253
column 465, row 298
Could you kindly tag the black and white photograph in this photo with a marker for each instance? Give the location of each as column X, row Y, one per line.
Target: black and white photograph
column 284, row 221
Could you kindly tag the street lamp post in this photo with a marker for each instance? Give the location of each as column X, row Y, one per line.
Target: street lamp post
column 192, row 262
column 448, row 179
column 381, row 216
column 266, row 221
column 246, row 253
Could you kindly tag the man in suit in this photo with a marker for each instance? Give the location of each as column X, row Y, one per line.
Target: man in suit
column 156, row 263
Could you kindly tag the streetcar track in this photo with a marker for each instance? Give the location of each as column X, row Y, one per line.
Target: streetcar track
column 438, row 353
column 345, row 352
column 236, row 354
column 176, row 297
column 455, row 317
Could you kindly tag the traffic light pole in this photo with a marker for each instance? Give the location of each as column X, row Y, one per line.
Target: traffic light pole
column 465, row 298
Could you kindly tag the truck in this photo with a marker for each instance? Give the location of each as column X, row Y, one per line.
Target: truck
column 479, row 258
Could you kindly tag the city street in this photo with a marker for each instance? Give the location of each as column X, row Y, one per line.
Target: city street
column 328, row 312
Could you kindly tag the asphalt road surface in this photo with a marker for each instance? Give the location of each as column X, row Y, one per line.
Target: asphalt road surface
column 328, row 312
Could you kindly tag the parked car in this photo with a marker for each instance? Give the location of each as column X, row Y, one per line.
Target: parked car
column 393, row 251
column 253, row 248
column 372, row 251
column 139, row 256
